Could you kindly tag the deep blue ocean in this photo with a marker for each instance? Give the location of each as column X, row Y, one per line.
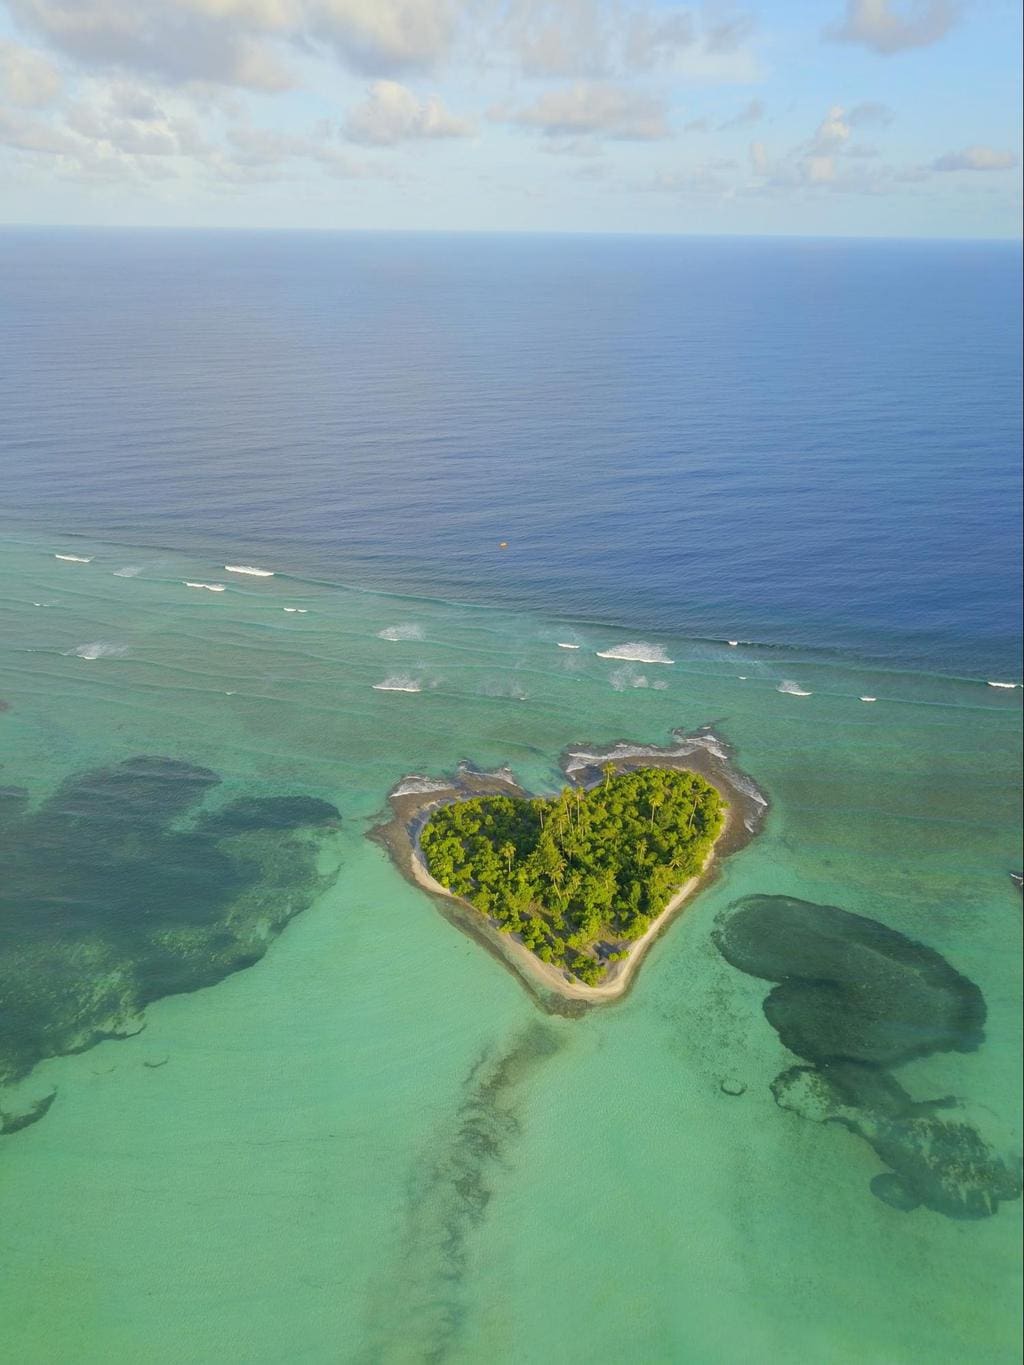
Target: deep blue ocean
column 802, row 442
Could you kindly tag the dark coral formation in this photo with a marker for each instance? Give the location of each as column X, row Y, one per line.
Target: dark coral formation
column 853, row 998
column 848, row 986
column 936, row 1158
column 111, row 900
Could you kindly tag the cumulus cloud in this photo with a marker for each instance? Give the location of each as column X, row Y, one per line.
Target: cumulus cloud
column 392, row 114
column 591, row 109
column 832, row 131
column 750, row 113
column 888, row 26
column 241, row 42
column 975, row 159
column 826, row 161
column 603, row 39
column 27, row 78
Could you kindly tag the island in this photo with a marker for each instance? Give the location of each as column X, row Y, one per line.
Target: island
column 570, row 890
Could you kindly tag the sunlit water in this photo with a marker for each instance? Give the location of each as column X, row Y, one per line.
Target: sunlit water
column 372, row 1145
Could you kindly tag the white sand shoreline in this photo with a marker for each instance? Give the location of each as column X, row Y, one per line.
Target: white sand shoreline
column 619, row 974
column 552, row 985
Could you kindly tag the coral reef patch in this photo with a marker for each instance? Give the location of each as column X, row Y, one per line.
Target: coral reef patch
column 113, row 897
column 849, row 986
column 854, row 998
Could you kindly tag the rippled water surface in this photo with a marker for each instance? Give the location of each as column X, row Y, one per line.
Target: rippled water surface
column 330, row 1127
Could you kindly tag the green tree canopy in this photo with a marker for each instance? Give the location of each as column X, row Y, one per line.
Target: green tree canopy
column 581, row 869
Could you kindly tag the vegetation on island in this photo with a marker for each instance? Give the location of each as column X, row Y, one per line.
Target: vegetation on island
column 579, row 875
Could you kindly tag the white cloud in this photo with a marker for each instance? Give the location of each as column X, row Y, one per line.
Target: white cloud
column 591, row 109
column 606, row 39
column 392, row 114
column 242, row 42
column 888, row 26
column 975, row 159
column 832, row 131
column 27, row 78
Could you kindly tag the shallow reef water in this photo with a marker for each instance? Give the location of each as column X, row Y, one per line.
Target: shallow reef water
column 369, row 1144
column 854, row 998
column 109, row 901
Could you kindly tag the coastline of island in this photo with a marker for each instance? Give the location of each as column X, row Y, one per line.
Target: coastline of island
column 415, row 798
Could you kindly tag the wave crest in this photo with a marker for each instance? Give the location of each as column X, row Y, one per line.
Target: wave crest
column 637, row 651
column 398, row 682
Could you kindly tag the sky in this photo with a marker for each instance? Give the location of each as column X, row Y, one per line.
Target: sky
column 890, row 118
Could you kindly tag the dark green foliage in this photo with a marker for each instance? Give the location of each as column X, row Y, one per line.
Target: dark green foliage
column 565, row 871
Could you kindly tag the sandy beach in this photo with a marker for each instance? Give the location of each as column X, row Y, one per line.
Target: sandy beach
column 414, row 799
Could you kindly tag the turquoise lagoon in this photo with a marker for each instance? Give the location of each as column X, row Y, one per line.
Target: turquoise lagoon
column 372, row 1145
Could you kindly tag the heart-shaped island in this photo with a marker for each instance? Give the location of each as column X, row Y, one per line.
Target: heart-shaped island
column 571, row 889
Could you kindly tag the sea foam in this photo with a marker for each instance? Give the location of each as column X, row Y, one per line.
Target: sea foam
column 415, row 785
column 638, row 652
column 1001, row 684
column 210, row 587
column 562, row 644
column 99, row 649
column 792, row 689
column 628, row 676
column 398, row 683
column 405, row 632
column 249, row 569
column 75, row 559
column 129, row 571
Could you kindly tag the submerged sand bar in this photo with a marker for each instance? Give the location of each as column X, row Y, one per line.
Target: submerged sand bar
column 414, row 799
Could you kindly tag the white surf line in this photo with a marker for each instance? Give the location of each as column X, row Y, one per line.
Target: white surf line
column 75, row 559
column 636, row 652
column 249, row 569
column 869, row 699
column 732, row 643
column 210, row 587
column 792, row 689
column 1001, row 684
column 562, row 645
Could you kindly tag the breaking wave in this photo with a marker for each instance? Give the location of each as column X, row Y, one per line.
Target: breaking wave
column 249, row 569
column 792, row 689
column 75, row 559
column 416, row 785
column 638, row 651
column 129, row 571
column 398, row 683
column 210, row 587
column 406, row 632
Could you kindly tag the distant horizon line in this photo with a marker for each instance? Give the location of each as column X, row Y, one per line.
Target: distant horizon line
column 258, row 230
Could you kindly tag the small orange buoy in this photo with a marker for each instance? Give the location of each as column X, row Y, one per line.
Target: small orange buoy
column 503, row 545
